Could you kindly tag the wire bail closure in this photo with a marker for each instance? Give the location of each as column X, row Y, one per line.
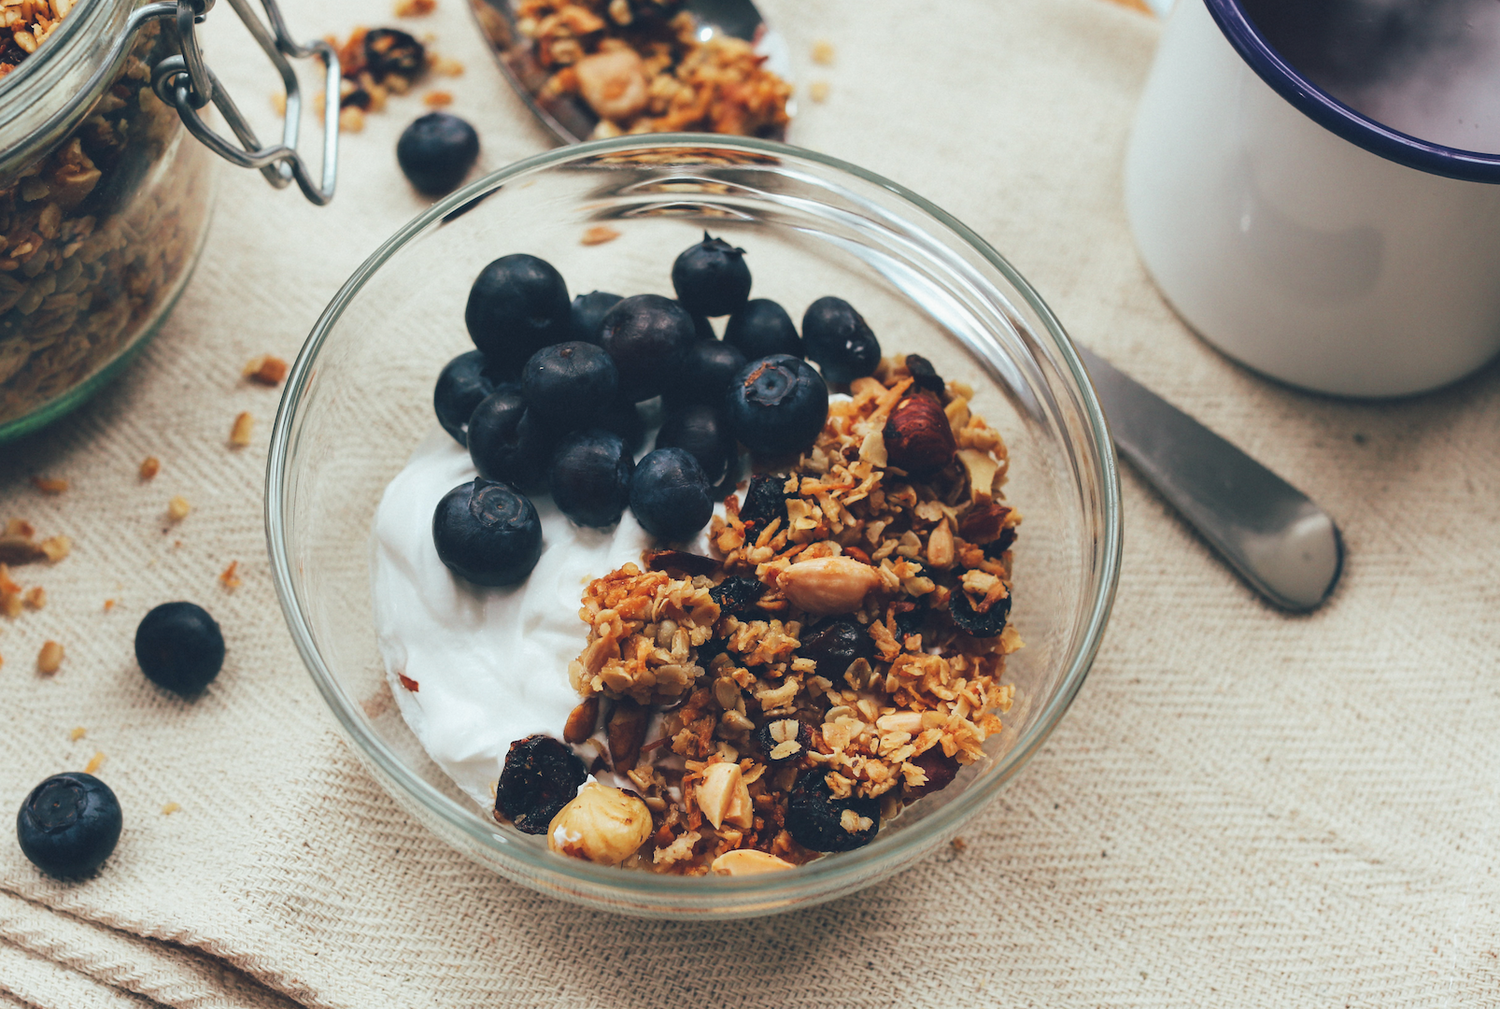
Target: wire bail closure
column 185, row 82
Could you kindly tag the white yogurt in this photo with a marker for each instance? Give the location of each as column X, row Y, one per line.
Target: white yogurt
column 491, row 665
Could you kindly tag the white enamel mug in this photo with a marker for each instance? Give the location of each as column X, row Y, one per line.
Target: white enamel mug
column 1298, row 236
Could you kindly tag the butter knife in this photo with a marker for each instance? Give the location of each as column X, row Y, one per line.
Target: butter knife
column 1279, row 541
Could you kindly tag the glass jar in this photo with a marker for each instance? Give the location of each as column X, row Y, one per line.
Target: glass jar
column 104, row 197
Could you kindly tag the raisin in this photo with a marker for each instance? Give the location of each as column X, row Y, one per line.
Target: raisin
column 779, row 731
column 540, row 777
column 940, row 769
column 1004, row 542
column 388, row 51
column 816, row 819
column 982, row 625
column 909, row 618
column 737, row 596
column 834, row 643
column 923, row 375
column 765, row 500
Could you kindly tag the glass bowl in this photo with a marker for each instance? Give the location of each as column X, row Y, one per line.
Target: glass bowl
column 359, row 398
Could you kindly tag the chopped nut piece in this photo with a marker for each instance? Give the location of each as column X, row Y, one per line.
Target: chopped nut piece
column 36, row 598
column 178, row 508
column 408, row 683
column 959, row 845
column 109, row 604
column 601, row 824
column 940, row 547
column 748, row 862
column 415, row 8
column 818, row 91
column 446, row 67
column 581, row 721
column 266, row 369
column 228, row 578
column 20, row 527
column 49, row 659
column 278, row 102
column 78, row 733
column 722, row 793
column 828, row 585
column 169, row 808
column 437, row 99
column 239, row 434
column 599, row 234
column 49, row 485
column 57, row 547
column 150, row 466
column 352, row 119
column 823, row 52
column 95, row 762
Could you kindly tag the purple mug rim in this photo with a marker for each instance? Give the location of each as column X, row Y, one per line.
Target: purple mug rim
column 1338, row 118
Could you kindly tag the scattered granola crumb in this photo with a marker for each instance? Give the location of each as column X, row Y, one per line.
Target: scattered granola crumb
column 170, row 808
column 178, row 508
column 958, row 844
column 352, row 119
column 78, row 733
column 415, row 8
column 818, row 91
column 49, row 485
column 438, row 99
column 10, row 594
column 446, row 66
column 150, row 466
column 228, row 578
column 36, row 598
column 49, row 659
column 408, row 682
column 95, row 762
column 109, row 604
column 278, row 102
column 823, row 52
column 57, row 547
column 267, row 369
column 239, row 435
column 21, row 528
column 20, row 550
column 599, row 234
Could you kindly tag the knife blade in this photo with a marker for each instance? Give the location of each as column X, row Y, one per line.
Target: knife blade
column 1280, row 542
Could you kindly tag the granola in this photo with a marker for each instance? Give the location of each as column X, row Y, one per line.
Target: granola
column 822, row 647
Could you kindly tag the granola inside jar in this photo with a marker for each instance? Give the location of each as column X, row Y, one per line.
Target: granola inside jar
column 104, row 201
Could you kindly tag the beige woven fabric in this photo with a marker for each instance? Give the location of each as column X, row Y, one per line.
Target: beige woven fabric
column 1242, row 808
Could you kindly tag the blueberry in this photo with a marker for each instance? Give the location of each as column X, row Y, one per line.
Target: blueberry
column 461, row 385
column 647, row 336
column 179, row 647
column 69, row 824
column 737, row 596
column 590, row 477
column 988, row 624
column 704, row 374
column 834, row 644
column 436, row 151
column 777, row 404
column 669, row 495
column 704, row 433
column 765, row 500
column 487, row 533
column 507, row 443
column 815, row 818
column 711, row 278
column 540, row 777
column 774, row 736
column 702, row 328
column 838, row 338
column 518, row 305
column 588, row 311
column 624, row 419
column 763, row 328
column 569, row 386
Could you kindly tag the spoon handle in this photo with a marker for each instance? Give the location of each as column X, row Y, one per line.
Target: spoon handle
column 1283, row 544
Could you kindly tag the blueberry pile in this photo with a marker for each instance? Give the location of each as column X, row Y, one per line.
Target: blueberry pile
column 549, row 400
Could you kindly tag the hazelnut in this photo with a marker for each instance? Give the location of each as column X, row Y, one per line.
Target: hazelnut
column 601, row 824
column 918, row 437
column 748, row 862
column 828, row 585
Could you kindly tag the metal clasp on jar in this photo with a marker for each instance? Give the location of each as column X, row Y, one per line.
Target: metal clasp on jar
column 185, row 82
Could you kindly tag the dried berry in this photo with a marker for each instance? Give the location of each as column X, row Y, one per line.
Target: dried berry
column 909, row 618
column 540, row 777
column 737, row 596
column 818, row 821
column 784, row 740
column 765, row 500
column 924, row 375
column 940, row 769
column 833, row 644
column 982, row 625
column 389, row 51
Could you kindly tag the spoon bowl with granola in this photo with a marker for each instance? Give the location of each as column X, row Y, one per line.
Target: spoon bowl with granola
column 822, row 675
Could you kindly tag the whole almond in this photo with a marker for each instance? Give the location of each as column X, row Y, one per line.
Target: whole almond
column 627, row 731
column 918, row 437
column 580, row 723
column 828, row 585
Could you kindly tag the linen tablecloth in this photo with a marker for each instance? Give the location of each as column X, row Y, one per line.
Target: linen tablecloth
column 1242, row 808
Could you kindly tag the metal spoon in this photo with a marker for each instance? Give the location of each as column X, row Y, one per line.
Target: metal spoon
column 568, row 117
column 1283, row 544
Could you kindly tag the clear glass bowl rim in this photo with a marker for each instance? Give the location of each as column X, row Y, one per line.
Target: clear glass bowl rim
column 825, row 876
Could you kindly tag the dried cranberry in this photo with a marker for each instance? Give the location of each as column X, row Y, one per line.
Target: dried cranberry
column 540, row 777
column 817, row 820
